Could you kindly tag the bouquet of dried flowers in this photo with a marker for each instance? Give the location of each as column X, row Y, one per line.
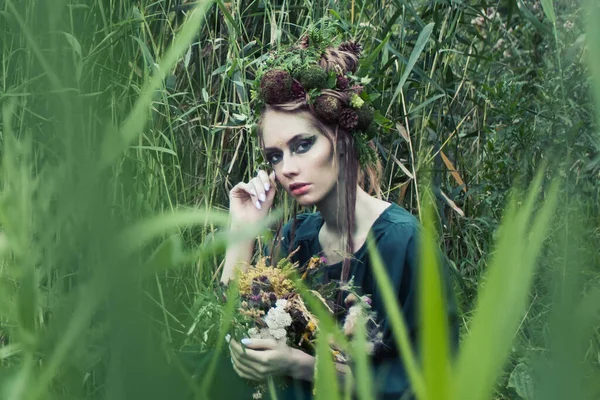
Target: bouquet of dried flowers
column 271, row 307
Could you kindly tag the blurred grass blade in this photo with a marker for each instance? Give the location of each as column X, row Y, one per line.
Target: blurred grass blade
column 548, row 7
column 233, row 294
column 326, row 380
column 592, row 13
column 146, row 230
column 434, row 321
column 362, row 368
column 502, row 299
column 9, row 351
column 396, row 321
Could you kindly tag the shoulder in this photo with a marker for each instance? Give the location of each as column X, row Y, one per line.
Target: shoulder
column 395, row 229
column 305, row 225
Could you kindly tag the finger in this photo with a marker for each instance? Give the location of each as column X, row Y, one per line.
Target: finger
column 250, row 190
column 260, row 188
column 273, row 178
column 260, row 344
column 249, row 366
column 246, row 356
column 243, row 371
column 264, row 178
column 242, row 189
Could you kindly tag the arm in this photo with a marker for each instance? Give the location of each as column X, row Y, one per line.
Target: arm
column 248, row 203
column 237, row 254
column 302, row 366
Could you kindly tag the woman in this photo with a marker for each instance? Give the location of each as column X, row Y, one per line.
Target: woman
column 315, row 157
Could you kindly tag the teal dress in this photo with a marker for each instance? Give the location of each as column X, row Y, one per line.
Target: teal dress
column 396, row 234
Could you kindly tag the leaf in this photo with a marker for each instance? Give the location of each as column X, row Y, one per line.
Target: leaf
column 149, row 60
column 398, row 162
column 451, row 203
column 142, row 232
column 414, row 56
column 403, row 132
column 373, row 56
column 434, row 322
column 73, row 42
column 168, row 255
column 532, row 18
column 502, row 300
column 326, row 381
column 362, row 367
column 453, row 171
column 187, row 57
column 425, row 103
column 135, row 122
column 520, row 379
column 155, row 148
column 548, row 8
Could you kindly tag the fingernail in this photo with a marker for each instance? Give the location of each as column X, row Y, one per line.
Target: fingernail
column 227, row 338
column 246, row 341
column 262, row 197
column 258, row 205
column 267, row 187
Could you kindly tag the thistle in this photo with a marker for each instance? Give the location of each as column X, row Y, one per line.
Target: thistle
column 328, row 108
column 276, row 86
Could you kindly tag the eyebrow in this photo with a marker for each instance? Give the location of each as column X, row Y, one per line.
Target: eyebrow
column 293, row 139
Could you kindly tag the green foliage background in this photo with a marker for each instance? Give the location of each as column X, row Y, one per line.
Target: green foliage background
column 125, row 123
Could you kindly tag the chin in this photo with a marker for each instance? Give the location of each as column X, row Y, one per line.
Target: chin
column 306, row 201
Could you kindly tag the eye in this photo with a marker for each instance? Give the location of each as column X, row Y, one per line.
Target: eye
column 304, row 145
column 274, row 158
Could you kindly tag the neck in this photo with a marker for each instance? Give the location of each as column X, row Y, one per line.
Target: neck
column 333, row 210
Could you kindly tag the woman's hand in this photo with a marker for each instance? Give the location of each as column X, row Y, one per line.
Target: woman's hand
column 258, row 359
column 250, row 202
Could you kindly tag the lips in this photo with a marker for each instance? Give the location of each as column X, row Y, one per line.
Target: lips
column 299, row 188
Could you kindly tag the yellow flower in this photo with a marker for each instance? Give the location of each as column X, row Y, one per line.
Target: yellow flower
column 356, row 101
column 278, row 277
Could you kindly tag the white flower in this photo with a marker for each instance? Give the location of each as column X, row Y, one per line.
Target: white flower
column 281, row 303
column 569, row 25
column 278, row 334
column 499, row 44
column 352, row 319
column 277, row 317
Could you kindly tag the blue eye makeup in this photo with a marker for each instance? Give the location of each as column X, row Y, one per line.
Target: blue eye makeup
column 298, row 145
column 303, row 145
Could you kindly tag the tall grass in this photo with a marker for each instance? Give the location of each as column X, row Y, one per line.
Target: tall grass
column 125, row 124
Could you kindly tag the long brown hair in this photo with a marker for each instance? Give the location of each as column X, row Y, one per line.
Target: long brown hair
column 367, row 177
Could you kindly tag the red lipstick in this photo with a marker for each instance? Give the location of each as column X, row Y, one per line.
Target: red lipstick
column 298, row 189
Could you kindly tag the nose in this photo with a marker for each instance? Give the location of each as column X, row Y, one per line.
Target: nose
column 289, row 167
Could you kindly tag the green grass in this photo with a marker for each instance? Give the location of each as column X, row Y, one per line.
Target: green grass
column 124, row 125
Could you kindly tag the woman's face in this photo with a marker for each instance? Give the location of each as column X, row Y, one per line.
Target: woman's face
column 301, row 156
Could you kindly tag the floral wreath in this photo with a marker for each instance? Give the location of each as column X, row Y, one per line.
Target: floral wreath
column 336, row 97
